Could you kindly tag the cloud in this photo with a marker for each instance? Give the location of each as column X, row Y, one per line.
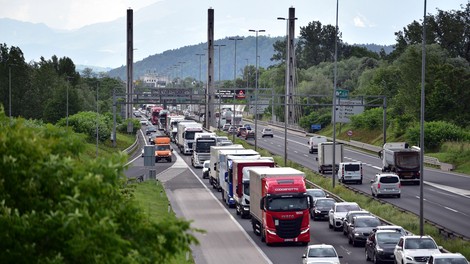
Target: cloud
column 362, row 22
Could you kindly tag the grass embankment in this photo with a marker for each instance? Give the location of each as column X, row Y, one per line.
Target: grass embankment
column 149, row 195
column 385, row 211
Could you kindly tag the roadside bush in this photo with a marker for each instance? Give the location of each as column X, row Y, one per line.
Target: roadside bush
column 400, row 125
column 122, row 127
column 370, row 119
column 436, row 133
column 85, row 123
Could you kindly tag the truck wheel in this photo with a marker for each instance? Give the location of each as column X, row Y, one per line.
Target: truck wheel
column 237, row 209
column 169, row 159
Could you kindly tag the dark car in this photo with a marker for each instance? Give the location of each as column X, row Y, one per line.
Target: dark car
column 360, row 228
column 317, row 193
column 150, row 130
column 348, row 219
column 247, row 134
column 380, row 245
column 321, row 207
column 240, row 130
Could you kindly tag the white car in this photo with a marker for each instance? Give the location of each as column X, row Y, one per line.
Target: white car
column 320, row 253
column 205, row 169
column 338, row 212
column 385, row 184
column 415, row 249
column 267, row 132
column 447, row 258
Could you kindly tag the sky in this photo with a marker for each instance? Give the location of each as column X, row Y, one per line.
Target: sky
column 360, row 21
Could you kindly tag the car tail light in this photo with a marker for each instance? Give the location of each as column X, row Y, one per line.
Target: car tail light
column 399, row 185
column 378, row 186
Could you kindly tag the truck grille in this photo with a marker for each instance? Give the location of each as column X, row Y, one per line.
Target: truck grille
column 203, row 157
column 289, row 228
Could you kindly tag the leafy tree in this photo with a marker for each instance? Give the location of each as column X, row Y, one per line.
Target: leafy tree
column 58, row 206
column 436, row 133
column 317, row 44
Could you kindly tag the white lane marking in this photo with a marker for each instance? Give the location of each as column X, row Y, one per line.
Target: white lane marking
column 458, row 191
column 295, row 151
column 306, row 155
column 450, row 209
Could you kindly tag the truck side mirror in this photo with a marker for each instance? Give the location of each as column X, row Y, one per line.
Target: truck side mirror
column 310, row 201
column 380, row 154
column 261, row 204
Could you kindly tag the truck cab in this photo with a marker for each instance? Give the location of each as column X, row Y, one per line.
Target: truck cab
column 163, row 150
column 201, row 148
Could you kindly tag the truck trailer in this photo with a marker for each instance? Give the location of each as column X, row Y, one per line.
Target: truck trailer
column 279, row 205
column 225, row 157
column 213, row 172
column 399, row 158
column 325, row 157
column 240, row 178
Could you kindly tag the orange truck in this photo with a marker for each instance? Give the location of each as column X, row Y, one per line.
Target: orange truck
column 163, row 150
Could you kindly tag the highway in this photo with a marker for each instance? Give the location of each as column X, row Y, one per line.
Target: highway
column 446, row 194
column 188, row 194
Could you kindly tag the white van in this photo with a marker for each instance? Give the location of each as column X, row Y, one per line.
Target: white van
column 350, row 172
column 313, row 143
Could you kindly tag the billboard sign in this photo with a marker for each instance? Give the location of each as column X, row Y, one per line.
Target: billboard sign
column 347, row 108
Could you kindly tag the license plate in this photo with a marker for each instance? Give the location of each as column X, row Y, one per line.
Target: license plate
column 288, row 240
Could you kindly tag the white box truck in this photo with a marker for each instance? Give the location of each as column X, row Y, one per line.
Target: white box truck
column 325, row 156
column 213, row 173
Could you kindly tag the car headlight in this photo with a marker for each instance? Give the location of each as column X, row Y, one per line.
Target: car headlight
column 357, row 234
column 317, row 211
column 409, row 258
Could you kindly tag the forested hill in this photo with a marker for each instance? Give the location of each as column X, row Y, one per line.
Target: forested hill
column 185, row 61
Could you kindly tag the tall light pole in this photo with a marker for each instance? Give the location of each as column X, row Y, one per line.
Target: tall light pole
column 234, row 81
column 289, row 64
column 218, row 86
column 333, row 172
column 256, row 86
column 97, row 118
column 9, row 89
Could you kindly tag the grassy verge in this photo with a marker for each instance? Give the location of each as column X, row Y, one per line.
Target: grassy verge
column 151, row 197
column 385, row 211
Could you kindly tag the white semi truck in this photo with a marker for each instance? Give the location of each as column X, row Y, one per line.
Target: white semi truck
column 185, row 135
column 325, row 157
column 202, row 148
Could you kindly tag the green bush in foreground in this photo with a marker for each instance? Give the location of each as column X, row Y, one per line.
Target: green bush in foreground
column 60, row 206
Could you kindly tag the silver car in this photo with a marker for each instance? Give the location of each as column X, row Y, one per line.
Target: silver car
column 386, row 184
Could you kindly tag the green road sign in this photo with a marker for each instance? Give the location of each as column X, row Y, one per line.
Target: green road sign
column 341, row 93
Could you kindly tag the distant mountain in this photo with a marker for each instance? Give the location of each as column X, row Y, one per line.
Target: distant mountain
column 376, row 48
column 185, row 62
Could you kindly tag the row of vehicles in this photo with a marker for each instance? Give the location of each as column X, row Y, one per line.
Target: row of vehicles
column 382, row 243
column 274, row 198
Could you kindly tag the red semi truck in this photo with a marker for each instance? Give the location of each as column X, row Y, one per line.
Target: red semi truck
column 240, row 178
column 279, row 205
column 155, row 112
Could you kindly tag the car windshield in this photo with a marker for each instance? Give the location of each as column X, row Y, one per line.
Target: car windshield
column 450, row 261
column 316, row 193
column 207, row 164
column 367, row 222
column 322, row 253
column 325, row 203
column 420, row 243
column 347, row 207
column 388, row 238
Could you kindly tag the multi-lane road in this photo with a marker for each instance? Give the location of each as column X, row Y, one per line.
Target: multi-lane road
column 230, row 239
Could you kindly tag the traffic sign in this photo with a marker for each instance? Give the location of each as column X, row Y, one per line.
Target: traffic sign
column 341, row 93
column 350, row 133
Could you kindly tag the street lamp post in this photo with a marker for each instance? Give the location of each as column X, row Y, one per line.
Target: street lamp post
column 256, row 86
column 234, row 81
column 218, row 85
column 97, row 118
column 287, row 90
column 334, row 95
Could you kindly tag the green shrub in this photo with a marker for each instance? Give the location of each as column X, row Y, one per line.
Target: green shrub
column 436, row 133
column 85, row 123
column 369, row 119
